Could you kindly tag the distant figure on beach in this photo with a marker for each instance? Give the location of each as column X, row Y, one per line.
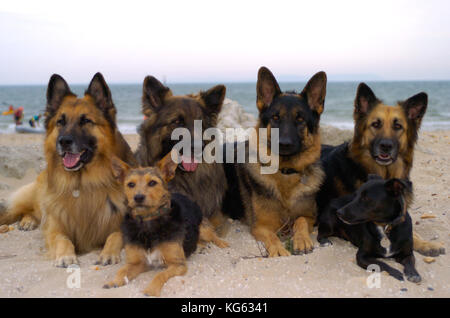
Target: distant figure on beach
column 18, row 116
column 34, row 121
column 10, row 111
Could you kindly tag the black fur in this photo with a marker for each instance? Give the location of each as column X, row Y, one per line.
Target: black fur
column 181, row 224
column 338, row 165
column 373, row 202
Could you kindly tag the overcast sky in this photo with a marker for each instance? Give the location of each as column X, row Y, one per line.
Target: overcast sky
column 210, row 41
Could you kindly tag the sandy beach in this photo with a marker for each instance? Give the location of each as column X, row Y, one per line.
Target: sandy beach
column 241, row 270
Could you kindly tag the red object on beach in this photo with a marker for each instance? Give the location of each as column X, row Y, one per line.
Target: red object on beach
column 18, row 112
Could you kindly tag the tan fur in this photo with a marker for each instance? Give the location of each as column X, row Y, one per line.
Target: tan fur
column 81, row 210
column 274, row 202
column 295, row 200
column 359, row 148
column 401, row 168
column 207, row 234
column 172, row 255
column 207, row 185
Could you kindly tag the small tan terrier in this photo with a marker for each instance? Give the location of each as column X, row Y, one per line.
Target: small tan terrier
column 159, row 227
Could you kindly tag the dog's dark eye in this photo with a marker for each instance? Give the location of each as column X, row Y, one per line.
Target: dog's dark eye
column 364, row 197
column 84, row 120
column 397, row 126
column 178, row 122
column 131, row 184
column 300, row 119
column 61, row 121
column 152, row 183
column 376, row 124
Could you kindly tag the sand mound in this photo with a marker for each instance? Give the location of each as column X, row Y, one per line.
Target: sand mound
column 15, row 161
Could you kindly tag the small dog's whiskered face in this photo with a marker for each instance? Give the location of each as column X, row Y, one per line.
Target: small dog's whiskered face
column 372, row 203
column 145, row 190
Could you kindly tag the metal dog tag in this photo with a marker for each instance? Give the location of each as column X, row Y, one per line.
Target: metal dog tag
column 385, row 242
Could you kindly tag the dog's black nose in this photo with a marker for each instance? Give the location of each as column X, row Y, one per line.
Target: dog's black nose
column 386, row 145
column 65, row 141
column 139, row 198
column 286, row 143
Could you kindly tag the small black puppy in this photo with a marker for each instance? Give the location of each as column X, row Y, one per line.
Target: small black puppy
column 375, row 220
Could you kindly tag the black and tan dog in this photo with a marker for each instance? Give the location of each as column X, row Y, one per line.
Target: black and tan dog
column 79, row 200
column 159, row 226
column 204, row 183
column 375, row 219
column 285, row 199
column 383, row 144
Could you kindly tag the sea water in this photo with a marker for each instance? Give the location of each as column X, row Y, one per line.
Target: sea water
column 338, row 103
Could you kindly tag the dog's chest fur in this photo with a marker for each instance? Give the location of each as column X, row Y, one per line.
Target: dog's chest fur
column 78, row 209
column 294, row 192
column 154, row 257
column 385, row 242
column 205, row 186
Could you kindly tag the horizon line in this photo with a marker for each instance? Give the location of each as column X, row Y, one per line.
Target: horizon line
column 243, row 82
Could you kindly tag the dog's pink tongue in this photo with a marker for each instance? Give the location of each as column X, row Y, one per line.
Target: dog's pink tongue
column 70, row 160
column 189, row 164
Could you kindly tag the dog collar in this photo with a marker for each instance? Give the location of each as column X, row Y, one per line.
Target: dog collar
column 163, row 209
column 388, row 227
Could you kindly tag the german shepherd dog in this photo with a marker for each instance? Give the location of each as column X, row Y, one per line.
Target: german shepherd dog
column 77, row 197
column 383, row 144
column 203, row 183
column 285, row 199
column 159, row 227
column 375, row 219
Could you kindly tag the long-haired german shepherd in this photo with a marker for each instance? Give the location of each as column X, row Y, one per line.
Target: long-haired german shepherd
column 383, row 144
column 79, row 200
column 285, row 199
column 203, row 183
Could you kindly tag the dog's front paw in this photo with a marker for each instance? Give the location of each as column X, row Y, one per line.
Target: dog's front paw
column 66, row 260
column 396, row 274
column 324, row 242
column 108, row 259
column 303, row 245
column 276, row 250
column 431, row 249
column 116, row 283
column 152, row 290
column 221, row 243
column 414, row 278
column 28, row 223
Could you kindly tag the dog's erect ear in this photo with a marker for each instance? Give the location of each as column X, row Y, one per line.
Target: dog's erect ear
column 416, row 106
column 167, row 166
column 374, row 177
column 153, row 94
column 365, row 99
column 100, row 92
column 56, row 91
column 397, row 187
column 315, row 91
column 266, row 88
column 119, row 168
column 213, row 98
